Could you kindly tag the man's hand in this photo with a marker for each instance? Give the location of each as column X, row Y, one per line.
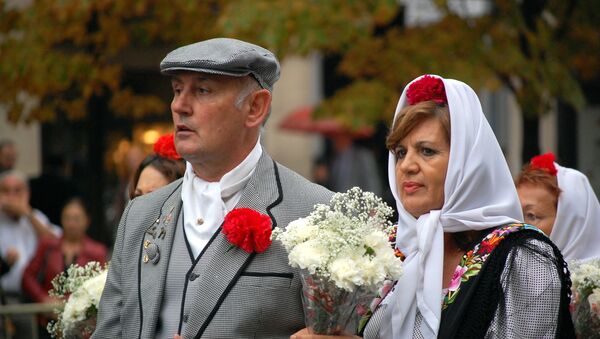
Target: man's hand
column 12, row 255
column 16, row 208
column 176, row 336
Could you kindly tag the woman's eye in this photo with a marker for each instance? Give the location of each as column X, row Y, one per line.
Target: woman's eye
column 400, row 152
column 427, row 151
column 531, row 216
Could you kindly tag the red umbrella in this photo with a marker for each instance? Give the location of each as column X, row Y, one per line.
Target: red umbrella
column 301, row 120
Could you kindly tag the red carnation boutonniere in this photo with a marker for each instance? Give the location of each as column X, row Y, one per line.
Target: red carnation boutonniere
column 248, row 229
column 427, row 88
column 165, row 147
column 544, row 162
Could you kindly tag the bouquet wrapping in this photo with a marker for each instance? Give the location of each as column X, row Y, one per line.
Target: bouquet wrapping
column 585, row 300
column 344, row 255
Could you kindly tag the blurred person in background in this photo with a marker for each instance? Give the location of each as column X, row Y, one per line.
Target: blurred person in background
column 127, row 162
column 8, row 155
column 21, row 226
column 561, row 202
column 353, row 165
column 158, row 169
column 55, row 255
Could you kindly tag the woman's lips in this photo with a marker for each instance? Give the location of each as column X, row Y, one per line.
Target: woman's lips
column 411, row 186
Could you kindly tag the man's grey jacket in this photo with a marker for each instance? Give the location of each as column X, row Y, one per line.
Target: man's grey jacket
column 238, row 295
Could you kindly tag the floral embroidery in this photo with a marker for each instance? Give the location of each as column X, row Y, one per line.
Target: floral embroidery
column 392, row 240
column 472, row 261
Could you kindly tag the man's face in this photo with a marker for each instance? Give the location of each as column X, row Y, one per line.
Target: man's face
column 13, row 191
column 208, row 124
column 8, row 157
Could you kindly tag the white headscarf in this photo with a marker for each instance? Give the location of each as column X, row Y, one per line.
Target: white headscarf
column 479, row 193
column 576, row 229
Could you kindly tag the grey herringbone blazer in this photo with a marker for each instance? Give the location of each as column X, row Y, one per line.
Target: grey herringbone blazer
column 241, row 295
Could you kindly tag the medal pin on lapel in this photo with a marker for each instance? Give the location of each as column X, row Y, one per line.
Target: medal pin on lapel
column 152, row 252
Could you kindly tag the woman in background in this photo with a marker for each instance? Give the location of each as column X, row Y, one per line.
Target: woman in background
column 561, row 202
column 159, row 169
column 53, row 256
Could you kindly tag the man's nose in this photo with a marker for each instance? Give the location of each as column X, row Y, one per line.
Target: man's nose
column 180, row 104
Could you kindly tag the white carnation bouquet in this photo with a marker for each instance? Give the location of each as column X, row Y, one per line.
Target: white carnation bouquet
column 344, row 253
column 80, row 289
column 585, row 301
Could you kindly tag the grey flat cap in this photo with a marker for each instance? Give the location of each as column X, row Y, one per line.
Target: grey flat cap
column 225, row 57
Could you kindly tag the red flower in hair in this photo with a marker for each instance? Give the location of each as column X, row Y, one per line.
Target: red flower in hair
column 427, row 88
column 248, row 229
column 165, row 147
column 544, row 162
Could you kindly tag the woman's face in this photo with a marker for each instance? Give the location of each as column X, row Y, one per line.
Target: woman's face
column 539, row 206
column 74, row 221
column 421, row 165
column 150, row 180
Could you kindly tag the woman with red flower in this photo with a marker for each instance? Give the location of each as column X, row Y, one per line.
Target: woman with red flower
column 472, row 269
column 561, row 202
column 158, row 169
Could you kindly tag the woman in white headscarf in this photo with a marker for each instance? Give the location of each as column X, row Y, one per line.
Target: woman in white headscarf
column 561, row 202
column 472, row 269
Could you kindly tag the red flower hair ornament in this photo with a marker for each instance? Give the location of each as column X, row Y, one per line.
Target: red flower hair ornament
column 165, row 147
column 425, row 89
column 248, row 229
column 544, row 162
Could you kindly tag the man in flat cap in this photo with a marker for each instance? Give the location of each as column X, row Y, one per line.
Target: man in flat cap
column 173, row 270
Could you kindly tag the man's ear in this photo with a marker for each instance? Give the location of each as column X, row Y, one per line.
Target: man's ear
column 260, row 102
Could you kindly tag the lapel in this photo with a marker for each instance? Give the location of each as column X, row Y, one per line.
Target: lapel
column 220, row 266
column 155, row 251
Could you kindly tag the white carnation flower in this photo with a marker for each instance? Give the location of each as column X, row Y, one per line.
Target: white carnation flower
column 345, row 273
column 308, row 255
column 86, row 296
column 378, row 241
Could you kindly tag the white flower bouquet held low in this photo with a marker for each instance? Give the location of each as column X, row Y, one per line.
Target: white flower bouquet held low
column 80, row 288
column 585, row 301
column 344, row 254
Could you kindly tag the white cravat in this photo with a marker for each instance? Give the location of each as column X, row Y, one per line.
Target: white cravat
column 205, row 204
